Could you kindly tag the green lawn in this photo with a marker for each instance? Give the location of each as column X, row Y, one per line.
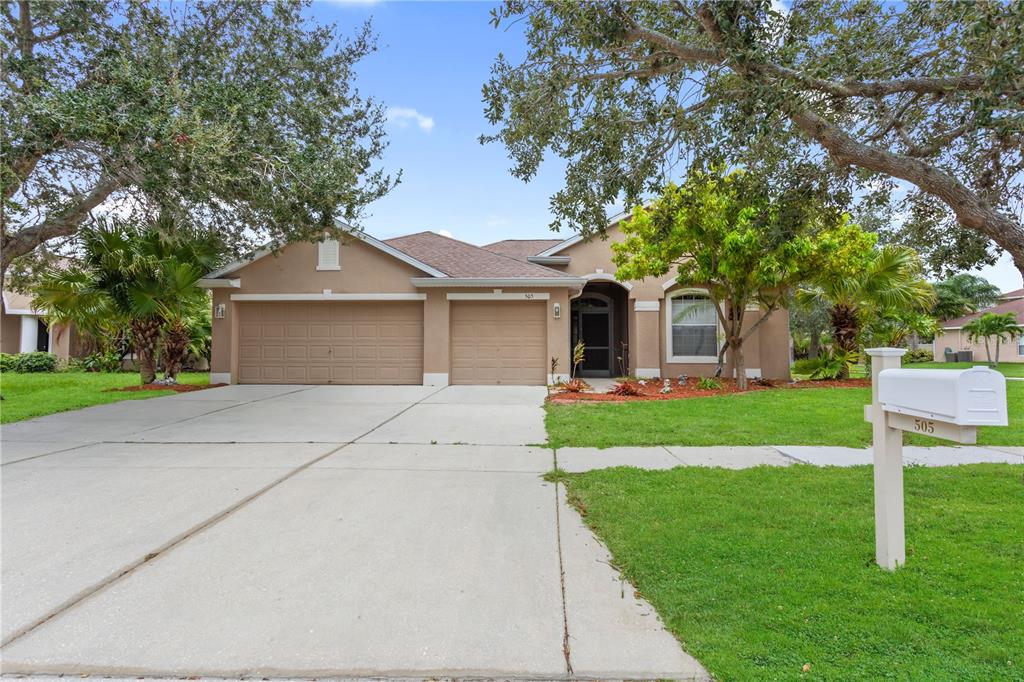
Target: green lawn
column 1010, row 369
column 811, row 416
column 761, row 571
column 34, row 395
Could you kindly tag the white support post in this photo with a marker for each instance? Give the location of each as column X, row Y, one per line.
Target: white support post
column 890, row 542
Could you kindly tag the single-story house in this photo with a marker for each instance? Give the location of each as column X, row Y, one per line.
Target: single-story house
column 24, row 329
column 429, row 309
column 952, row 336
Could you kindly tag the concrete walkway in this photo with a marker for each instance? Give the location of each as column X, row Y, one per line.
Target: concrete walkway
column 575, row 460
column 296, row 532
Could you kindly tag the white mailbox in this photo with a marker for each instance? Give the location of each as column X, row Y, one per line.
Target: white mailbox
column 969, row 397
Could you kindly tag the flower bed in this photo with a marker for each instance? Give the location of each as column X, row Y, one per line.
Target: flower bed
column 177, row 388
column 651, row 390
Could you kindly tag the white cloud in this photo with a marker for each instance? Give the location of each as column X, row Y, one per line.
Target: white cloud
column 496, row 221
column 404, row 116
column 446, row 233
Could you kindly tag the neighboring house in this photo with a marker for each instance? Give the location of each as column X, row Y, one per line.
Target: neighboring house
column 953, row 337
column 429, row 309
column 23, row 329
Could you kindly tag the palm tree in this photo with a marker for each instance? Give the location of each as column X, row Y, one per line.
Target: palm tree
column 144, row 276
column 1003, row 327
column 891, row 280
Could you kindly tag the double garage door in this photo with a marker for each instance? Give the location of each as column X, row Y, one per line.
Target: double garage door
column 492, row 342
column 331, row 343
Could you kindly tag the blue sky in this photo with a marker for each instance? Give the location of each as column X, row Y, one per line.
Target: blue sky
column 433, row 59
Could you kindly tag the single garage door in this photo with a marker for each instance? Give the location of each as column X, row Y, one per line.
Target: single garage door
column 499, row 342
column 331, row 343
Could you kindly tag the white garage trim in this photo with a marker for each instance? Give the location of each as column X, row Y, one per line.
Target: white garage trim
column 215, row 283
column 328, row 297
column 435, row 378
column 544, row 296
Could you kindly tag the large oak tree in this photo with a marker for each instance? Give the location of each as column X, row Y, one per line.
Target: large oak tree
column 632, row 94
column 242, row 115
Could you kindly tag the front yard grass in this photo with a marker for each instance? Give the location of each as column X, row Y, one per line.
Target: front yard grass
column 760, row 571
column 34, row 395
column 808, row 416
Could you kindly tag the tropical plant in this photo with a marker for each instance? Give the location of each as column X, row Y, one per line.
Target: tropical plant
column 835, row 364
column 1000, row 326
column 873, row 283
column 145, row 276
column 709, row 384
column 574, row 386
column 625, row 388
column 579, row 352
column 31, row 362
column 895, row 327
column 963, row 294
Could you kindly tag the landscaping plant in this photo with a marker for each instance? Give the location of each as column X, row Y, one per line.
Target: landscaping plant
column 29, row 363
column 744, row 240
column 999, row 326
column 625, row 388
column 574, row 386
column 709, row 384
column 146, row 275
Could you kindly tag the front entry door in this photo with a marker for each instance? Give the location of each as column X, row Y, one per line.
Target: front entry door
column 592, row 324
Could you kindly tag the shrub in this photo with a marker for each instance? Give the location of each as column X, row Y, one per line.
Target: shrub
column 99, row 362
column 625, row 388
column 806, row 365
column 6, row 362
column 709, row 384
column 26, row 363
column 574, row 386
column 919, row 355
column 835, row 365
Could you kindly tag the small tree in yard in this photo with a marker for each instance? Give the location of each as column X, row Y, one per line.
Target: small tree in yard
column 1003, row 327
column 726, row 234
column 144, row 275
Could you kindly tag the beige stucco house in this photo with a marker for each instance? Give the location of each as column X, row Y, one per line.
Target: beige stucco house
column 23, row 329
column 428, row 309
column 952, row 336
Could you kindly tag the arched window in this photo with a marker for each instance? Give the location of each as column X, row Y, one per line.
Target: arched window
column 692, row 328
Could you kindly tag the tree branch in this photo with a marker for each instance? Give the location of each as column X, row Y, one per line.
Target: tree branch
column 63, row 224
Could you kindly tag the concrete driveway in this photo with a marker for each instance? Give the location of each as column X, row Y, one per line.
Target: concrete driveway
column 294, row 531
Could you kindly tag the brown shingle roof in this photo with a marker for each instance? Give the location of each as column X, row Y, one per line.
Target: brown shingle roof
column 459, row 259
column 521, row 248
column 1013, row 306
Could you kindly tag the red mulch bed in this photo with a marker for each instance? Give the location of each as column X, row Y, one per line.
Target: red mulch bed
column 177, row 388
column 652, row 390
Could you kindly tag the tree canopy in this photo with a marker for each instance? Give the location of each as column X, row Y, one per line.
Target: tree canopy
column 732, row 235
column 962, row 294
column 242, row 116
column 922, row 95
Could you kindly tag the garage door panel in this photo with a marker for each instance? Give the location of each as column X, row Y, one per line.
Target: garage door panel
column 499, row 342
column 327, row 342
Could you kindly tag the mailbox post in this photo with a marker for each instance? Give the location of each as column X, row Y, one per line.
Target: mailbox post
column 942, row 403
column 887, row 452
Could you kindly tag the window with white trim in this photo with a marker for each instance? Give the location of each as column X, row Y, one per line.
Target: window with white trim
column 1020, row 345
column 328, row 257
column 692, row 328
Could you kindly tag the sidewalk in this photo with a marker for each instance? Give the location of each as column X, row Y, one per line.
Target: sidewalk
column 575, row 460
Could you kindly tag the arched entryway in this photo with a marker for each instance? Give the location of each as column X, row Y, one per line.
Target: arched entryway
column 598, row 319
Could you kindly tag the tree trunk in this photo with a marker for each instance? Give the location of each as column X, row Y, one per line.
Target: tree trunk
column 988, row 352
column 998, row 341
column 738, row 363
column 914, row 341
column 146, row 333
column 814, row 346
column 721, row 359
column 175, row 348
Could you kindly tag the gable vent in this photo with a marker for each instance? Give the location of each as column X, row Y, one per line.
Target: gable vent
column 327, row 255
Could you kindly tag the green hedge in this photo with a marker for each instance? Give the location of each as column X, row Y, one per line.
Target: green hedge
column 26, row 363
